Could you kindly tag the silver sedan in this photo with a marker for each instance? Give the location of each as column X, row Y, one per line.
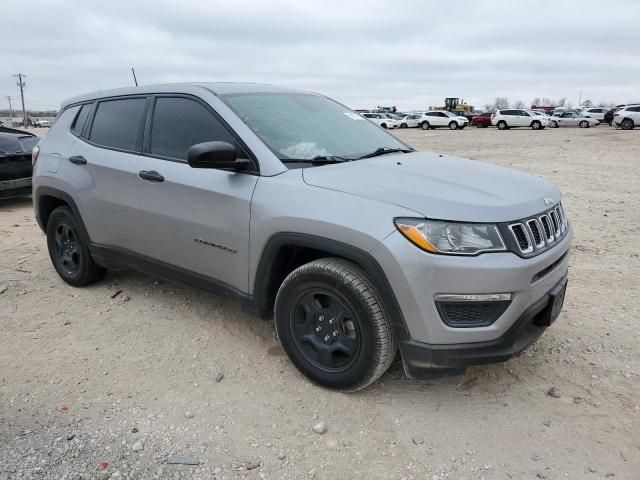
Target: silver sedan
column 571, row 119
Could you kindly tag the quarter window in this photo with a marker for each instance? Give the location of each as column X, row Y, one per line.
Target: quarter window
column 81, row 118
column 180, row 123
column 117, row 123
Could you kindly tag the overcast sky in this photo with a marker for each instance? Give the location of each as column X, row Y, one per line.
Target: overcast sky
column 406, row 53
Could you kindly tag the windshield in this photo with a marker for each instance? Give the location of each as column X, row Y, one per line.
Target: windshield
column 303, row 126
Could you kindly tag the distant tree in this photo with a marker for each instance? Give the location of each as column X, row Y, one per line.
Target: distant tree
column 518, row 104
column 546, row 102
column 587, row 103
column 487, row 107
column 536, row 101
column 562, row 102
column 500, row 103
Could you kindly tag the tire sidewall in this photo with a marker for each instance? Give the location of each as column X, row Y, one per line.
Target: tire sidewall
column 64, row 215
column 362, row 367
column 453, row 126
column 425, row 126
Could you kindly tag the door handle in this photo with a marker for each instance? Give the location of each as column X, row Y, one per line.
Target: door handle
column 151, row 175
column 78, row 160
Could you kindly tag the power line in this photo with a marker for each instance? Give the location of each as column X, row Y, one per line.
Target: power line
column 22, row 84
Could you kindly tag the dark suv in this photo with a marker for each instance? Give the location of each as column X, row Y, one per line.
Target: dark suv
column 15, row 162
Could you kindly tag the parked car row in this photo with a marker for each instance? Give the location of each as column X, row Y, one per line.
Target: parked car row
column 425, row 120
column 627, row 118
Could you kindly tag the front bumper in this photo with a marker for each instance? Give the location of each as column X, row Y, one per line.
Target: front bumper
column 421, row 359
column 416, row 277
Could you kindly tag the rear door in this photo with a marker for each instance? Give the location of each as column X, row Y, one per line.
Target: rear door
column 101, row 168
column 193, row 219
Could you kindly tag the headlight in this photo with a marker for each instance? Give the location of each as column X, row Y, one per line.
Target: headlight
column 451, row 238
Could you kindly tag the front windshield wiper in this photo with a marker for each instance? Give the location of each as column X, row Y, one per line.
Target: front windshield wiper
column 384, row 151
column 317, row 160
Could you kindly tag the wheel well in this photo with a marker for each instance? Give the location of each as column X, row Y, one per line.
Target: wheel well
column 46, row 205
column 285, row 261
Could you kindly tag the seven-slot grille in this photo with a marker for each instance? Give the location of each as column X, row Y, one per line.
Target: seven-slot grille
column 539, row 233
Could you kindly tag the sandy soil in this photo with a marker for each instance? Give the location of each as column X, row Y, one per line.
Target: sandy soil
column 93, row 386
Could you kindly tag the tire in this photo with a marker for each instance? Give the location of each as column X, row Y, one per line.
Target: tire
column 583, row 124
column 627, row 124
column 347, row 355
column 384, row 125
column 403, row 125
column 453, row 125
column 502, row 125
column 69, row 250
column 554, row 124
column 536, row 125
column 425, row 125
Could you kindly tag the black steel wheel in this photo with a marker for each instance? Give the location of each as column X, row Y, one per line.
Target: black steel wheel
column 69, row 251
column 331, row 322
column 325, row 329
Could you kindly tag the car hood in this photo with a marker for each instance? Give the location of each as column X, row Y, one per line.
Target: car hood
column 440, row 187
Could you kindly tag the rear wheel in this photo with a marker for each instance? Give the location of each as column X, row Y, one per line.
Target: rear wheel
column 69, row 251
column 554, row 124
column 627, row 124
column 333, row 326
column 583, row 124
column 403, row 125
column 425, row 125
column 453, row 125
column 502, row 125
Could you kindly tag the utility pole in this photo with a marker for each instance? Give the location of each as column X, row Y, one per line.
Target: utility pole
column 22, row 84
column 10, row 109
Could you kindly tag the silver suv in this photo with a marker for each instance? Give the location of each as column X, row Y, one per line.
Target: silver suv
column 307, row 213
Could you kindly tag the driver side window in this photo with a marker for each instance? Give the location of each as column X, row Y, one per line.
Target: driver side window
column 179, row 123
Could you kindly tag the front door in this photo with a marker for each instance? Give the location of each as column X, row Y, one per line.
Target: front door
column 196, row 220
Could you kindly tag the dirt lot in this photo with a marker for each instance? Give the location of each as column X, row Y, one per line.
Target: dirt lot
column 97, row 386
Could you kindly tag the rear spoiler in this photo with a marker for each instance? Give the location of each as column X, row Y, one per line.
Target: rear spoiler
column 15, row 130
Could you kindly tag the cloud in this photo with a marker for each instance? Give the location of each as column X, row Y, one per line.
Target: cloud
column 408, row 53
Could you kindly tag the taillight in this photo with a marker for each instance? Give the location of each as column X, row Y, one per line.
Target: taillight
column 34, row 155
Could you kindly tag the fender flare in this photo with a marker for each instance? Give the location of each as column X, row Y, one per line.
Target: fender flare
column 66, row 198
column 333, row 247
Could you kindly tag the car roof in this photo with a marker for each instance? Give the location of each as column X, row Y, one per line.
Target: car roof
column 217, row 88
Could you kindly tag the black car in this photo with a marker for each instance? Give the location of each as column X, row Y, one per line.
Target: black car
column 15, row 162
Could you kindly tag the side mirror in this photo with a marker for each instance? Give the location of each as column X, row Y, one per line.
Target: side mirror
column 220, row 155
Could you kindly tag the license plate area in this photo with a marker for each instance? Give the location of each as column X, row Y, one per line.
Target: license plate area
column 556, row 300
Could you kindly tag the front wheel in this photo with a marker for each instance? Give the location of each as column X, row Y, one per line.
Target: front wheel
column 554, row 124
column 403, row 125
column 453, row 125
column 331, row 322
column 583, row 124
column 384, row 125
column 536, row 125
column 69, row 251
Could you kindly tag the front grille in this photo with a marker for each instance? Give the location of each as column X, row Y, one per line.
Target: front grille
column 521, row 237
column 531, row 236
column 471, row 314
column 544, row 219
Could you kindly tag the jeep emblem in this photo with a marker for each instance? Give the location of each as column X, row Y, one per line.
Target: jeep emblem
column 548, row 200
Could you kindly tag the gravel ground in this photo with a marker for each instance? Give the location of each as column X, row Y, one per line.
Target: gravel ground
column 116, row 380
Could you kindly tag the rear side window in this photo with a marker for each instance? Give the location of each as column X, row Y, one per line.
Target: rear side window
column 81, row 119
column 116, row 123
column 633, row 109
column 180, row 123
